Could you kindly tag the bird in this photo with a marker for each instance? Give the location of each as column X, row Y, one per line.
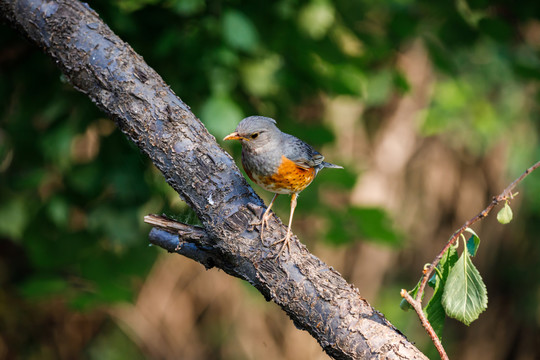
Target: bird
column 278, row 162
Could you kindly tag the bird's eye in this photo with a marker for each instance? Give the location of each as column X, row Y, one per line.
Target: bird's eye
column 255, row 135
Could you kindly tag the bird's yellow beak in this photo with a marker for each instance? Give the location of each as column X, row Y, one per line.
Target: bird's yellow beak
column 234, row 136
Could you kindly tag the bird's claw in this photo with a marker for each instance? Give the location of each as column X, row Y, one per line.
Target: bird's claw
column 286, row 244
column 264, row 223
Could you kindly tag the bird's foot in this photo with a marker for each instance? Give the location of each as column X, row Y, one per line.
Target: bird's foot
column 263, row 223
column 286, row 244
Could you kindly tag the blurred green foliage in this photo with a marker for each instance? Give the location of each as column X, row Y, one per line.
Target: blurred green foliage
column 73, row 190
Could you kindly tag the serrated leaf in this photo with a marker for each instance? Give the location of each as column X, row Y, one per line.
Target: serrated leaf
column 448, row 261
column 434, row 309
column 465, row 294
column 505, row 215
column 473, row 243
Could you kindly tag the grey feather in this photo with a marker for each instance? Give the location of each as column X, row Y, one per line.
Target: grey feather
column 265, row 151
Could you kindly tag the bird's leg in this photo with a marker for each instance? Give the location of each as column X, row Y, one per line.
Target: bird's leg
column 286, row 239
column 266, row 216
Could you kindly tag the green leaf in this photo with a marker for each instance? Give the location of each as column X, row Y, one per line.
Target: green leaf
column 465, row 294
column 433, row 280
column 497, row 29
column 119, row 227
column 404, row 304
column 58, row 211
column 238, row 31
column 473, row 243
column 376, row 224
column 259, row 76
column 221, row 114
column 133, row 5
column 368, row 223
column 316, row 18
column 434, row 309
column 42, row 285
column 350, row 80
column 188, row 7
column 379, row 88
column 505, row 215
column 13, row 218
column 401, row 82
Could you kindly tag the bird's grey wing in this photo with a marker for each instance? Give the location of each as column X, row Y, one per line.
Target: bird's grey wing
column 300, row 153
column 303, row 154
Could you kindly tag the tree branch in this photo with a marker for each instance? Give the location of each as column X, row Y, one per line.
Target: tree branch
column 121, row 84
column 188, row 240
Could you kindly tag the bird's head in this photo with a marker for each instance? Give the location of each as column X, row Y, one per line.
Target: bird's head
column 255, row 132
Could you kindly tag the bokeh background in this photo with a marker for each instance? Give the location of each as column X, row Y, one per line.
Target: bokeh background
column 431, row 106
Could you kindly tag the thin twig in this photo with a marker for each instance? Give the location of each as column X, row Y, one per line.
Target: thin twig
column 428, row 270
column 417, row 306
column 504, row 195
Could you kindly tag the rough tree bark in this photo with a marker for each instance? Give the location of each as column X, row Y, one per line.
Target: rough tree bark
column 120, row 83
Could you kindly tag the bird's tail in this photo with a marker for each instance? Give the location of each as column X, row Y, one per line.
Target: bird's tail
column 331, row 166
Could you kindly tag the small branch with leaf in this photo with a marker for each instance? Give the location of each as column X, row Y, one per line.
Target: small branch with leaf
column 458, row 289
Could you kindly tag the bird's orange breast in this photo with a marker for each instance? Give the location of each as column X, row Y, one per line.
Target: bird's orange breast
column 288, row 179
